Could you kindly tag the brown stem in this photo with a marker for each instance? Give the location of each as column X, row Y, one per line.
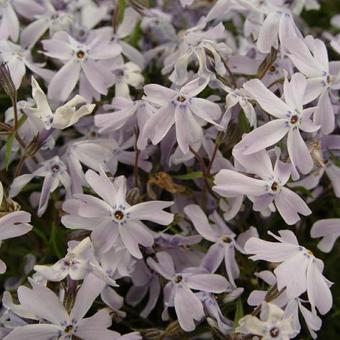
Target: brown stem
column 272, row 294
column 232, row 78
column 15, row 111
column 6, row 127
column 204, row 171
column 137, row 153
column 217, row 144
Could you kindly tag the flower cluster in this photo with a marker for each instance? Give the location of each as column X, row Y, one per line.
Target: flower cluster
column 148, row 149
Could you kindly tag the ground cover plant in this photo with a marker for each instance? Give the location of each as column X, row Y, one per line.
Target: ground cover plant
column 169, row 169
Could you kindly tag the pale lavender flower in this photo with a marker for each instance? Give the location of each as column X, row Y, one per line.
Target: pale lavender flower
column 323, row 151
column 9, row 22
column 111, row 216
column 178, row 291
column 224, row 241
column 105, row 153
column 13, row 224
column 54, row 172
column 126, row 113
column 46, row 18
column 214, row 314
column 329, row 230
column 125, row 75
column 292, row 307
column 43, row 303
column 76, row 263
column 291, row 118
column 299, row 271
column 84, row 63
column 271, row 325
column 145, row 283
column 18, row 59
column 310, row 57
column 277, row 27
column 195, row 46
column 114, row 264
column 124, row 29
column 266, row 190
column 183, row 109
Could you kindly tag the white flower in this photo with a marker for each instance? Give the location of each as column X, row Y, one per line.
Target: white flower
column 75, row 264
column 271, row 325
column 65, row 116
column 299, row 271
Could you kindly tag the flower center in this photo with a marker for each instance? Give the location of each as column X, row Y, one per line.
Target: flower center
column 329, row 80
column 309, row 252
column 55, row 168
column 275, row 186
column 274, row 332
column 178, row 278
column 70, row 260
column 294, row 119
column 226, row 239
column 181, row 99
column 119, row 215
column 80, row 54
column 68, row 329
column 272, row 69
column 118, row 73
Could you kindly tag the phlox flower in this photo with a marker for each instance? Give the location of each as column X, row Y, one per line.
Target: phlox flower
column 64, row 116
column 111, row 216
column 310, row 57
column 125, row 75
column 9, row 22
column 299, row 270
column 54, row 172
column 145, row 282
column 267, row 189
column 214, row 314
column 183, row 109
column 323, row 150
column 44, row 304
column 13, row 224
column 178, row 291
column 224, row 241
column 18, row 60
column 85, row 63
column 46, row 18
column 76, row 264
column 195, row 45
column 292, row 307
column 271, row 325
column 290, row 119
column 329, row 230
column 124, row 112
